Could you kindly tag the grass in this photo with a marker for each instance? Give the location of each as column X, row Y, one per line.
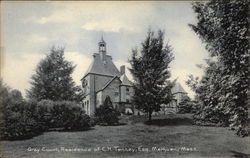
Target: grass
column 165, row 133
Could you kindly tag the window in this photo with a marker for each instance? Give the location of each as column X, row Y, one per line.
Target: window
column 84, row 83
column 116, row 93
column 127, row 89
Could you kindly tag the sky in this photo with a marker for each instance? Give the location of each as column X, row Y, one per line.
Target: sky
column 30, row 29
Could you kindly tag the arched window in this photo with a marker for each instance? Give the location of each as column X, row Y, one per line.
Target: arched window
column 84, row 85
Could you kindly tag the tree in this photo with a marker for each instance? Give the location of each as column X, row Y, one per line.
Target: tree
column 223, row 26
column 186, row 105
column 151, row 74
column 53, row 79
column 15, row 121
column 106, row 114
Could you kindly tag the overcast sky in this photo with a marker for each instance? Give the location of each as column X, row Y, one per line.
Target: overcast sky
column 29, row 29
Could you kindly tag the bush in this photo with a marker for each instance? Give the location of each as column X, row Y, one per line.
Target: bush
column 106, row 114
column 63, row 114
column 21, row 127
column 187, row 106
column 20, row 119
column 206, row 117
column 70, row 116
column 17, row 117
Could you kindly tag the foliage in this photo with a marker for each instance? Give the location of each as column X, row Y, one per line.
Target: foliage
column 53, row 79
column 20, row 119
column 17, row 121
column 106, row 114
column 63, row 114
column 187, row 106
column 151, row 74
column 222, row 91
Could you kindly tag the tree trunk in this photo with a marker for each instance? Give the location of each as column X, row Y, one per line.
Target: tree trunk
column 149, row 117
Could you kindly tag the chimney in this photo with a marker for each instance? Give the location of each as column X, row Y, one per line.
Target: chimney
column 122, row 69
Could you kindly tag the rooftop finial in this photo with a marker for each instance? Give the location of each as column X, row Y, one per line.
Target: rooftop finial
column 102, row 40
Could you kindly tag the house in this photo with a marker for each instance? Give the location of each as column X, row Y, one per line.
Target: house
column 178, row 95
column 103, row 79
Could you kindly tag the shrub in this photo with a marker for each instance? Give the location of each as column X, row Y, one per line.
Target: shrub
column 206, row 117
column 21, row 127
column 187, row 106
column 17, row 117
column 106, row 114
column 20, row 119
column 63, row 114
column 70, row 116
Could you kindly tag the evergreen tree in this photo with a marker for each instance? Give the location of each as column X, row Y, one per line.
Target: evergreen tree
column 223, row 26
column 53, row 80
column 151, row 74
column 106, row 114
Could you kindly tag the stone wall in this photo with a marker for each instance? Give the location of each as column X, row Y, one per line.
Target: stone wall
column 99, row 100
column 113, row 91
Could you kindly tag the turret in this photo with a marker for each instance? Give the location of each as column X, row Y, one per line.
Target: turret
column 102, row 50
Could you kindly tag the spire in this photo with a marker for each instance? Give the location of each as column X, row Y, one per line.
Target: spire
column 102, row 49
column 102, row 39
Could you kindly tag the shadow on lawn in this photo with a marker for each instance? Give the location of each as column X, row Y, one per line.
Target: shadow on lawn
column 170, row 122
column 117, row 124
column 75, row 130
column 239, row 154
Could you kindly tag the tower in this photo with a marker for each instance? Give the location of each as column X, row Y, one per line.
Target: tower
column 102, row 50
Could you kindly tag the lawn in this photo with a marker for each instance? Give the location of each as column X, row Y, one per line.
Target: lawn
column 169, row 136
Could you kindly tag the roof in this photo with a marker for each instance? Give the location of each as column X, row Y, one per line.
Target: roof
column 125, row 80
column 99, row 67
column 107, row 84
column 178, row 88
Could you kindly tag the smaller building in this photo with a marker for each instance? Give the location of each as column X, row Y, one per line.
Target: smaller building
column 178, row 95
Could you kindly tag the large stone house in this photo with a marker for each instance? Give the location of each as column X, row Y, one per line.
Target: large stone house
column 103, row 79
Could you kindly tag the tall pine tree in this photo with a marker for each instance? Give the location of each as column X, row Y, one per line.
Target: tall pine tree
column 223, row 26
column 151, row 74
column 53, row 79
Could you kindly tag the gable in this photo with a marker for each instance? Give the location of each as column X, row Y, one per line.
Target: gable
column 115, row 80
column 177, row 89
column 125, row 80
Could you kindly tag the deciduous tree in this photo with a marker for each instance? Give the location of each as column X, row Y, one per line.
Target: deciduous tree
column 223, row 26
column 150, row 70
